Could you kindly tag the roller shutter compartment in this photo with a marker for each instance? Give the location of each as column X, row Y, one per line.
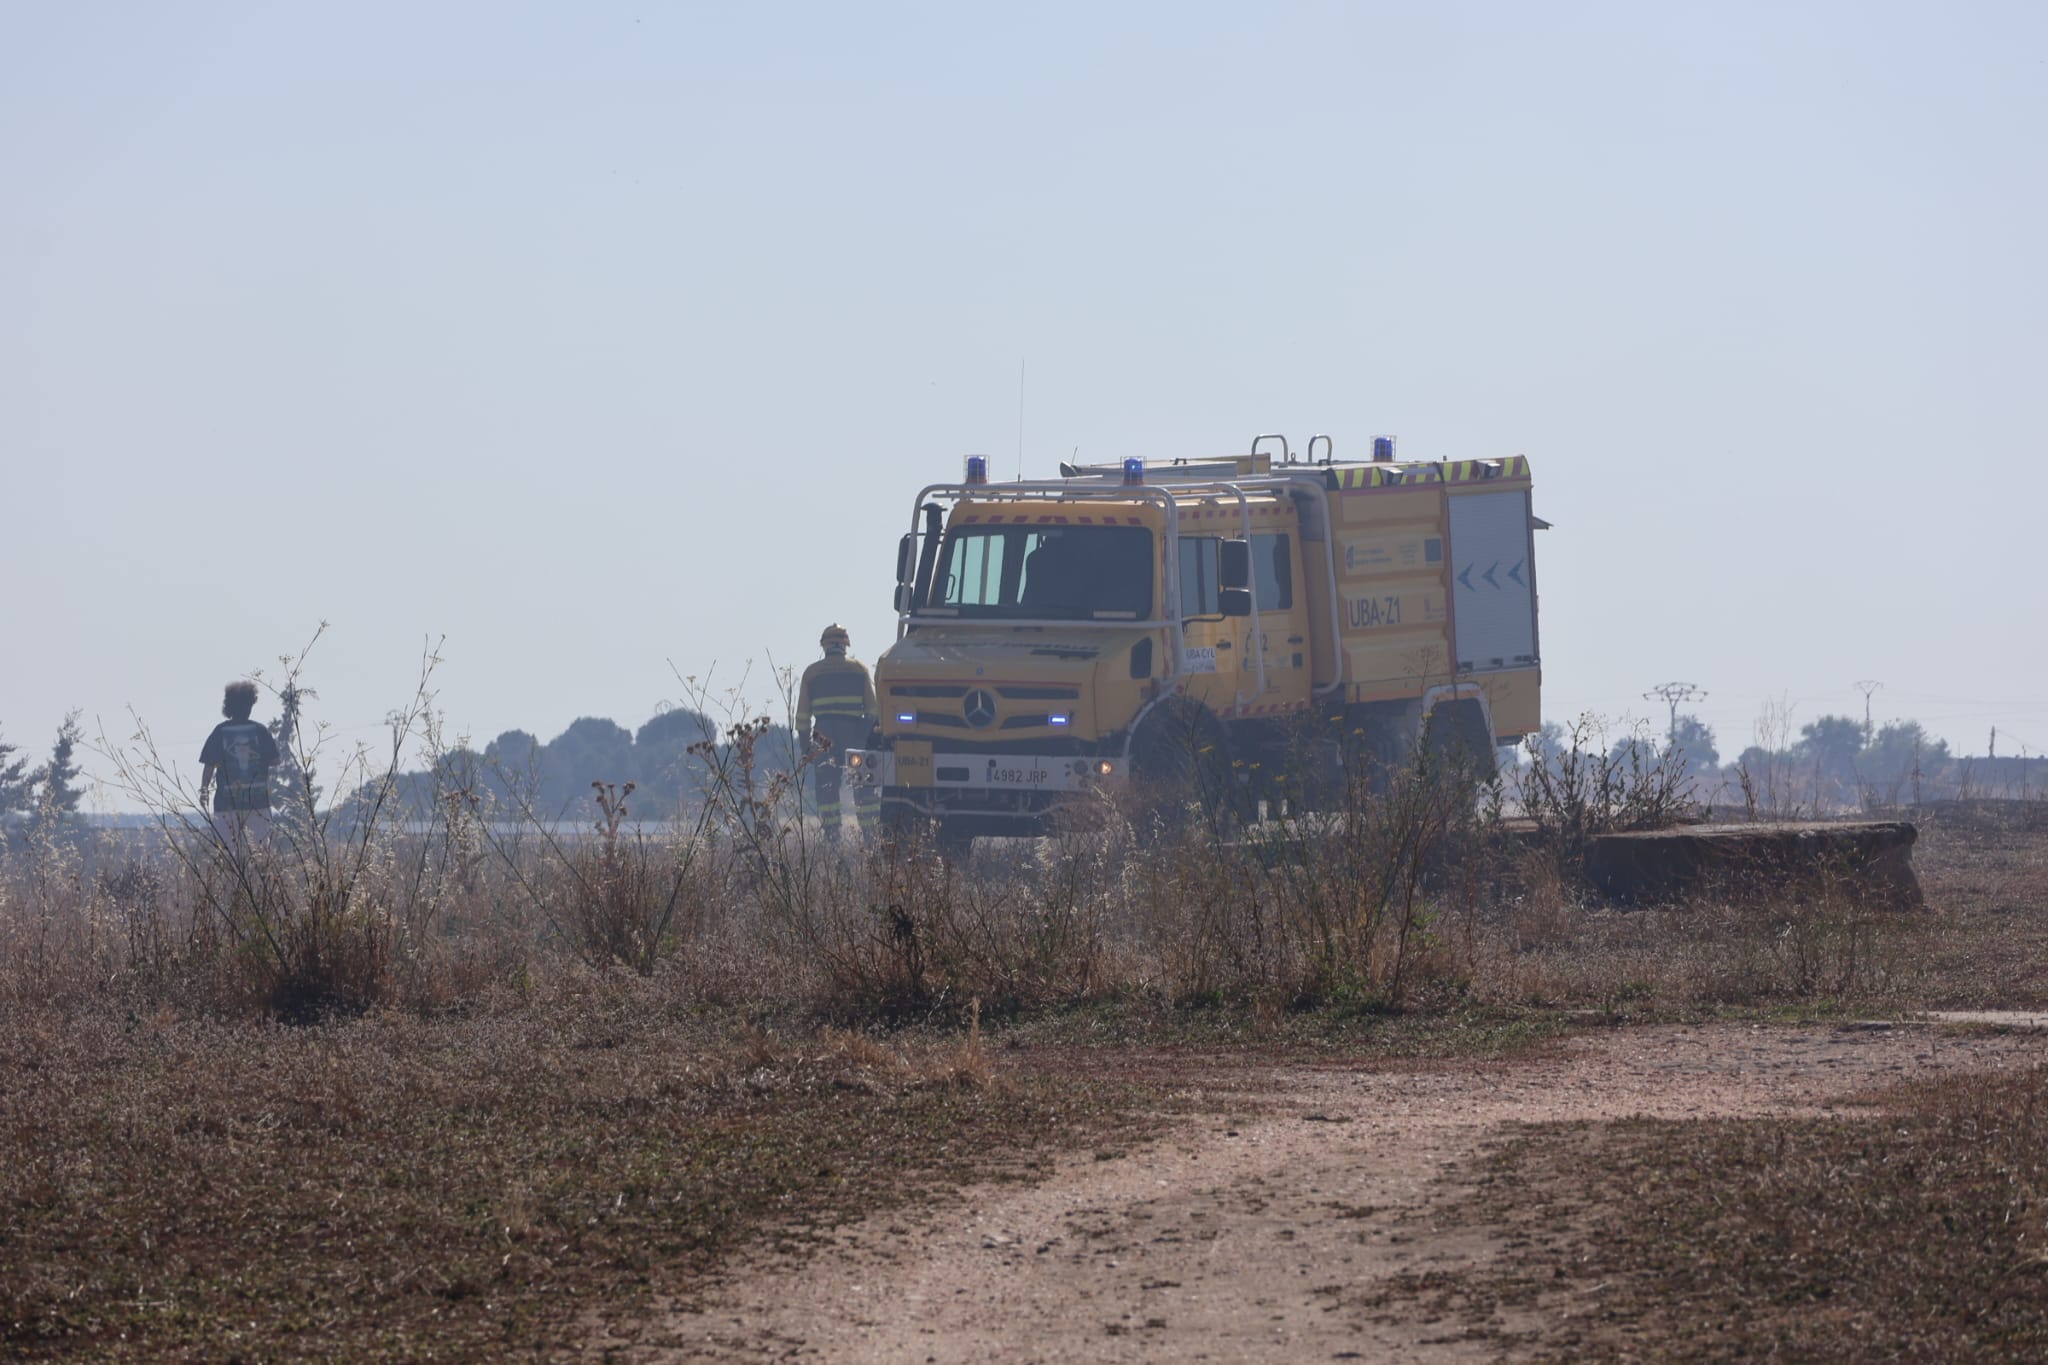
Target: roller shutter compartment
column 1493, row 581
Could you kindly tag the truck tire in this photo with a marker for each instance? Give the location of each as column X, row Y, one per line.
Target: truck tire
column 906, row 829
column 1457, row 739
column 903, row 825
column 1380, row 740
column 1180, row 761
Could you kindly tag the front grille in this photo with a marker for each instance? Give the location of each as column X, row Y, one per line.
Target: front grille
column 927, row 690
column 958, row 749
column 1039, row 693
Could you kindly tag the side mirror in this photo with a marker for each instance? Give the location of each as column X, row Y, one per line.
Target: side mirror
column 1234, row 601
column 906, row 555
column 1234, row 567
column 903, row 596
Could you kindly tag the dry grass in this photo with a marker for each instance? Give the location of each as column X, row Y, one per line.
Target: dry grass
column 552, row 1082
column 1916, row 1233
column 1917, row 1230
column 403, row 1188
column 1712, row 954
column 1985, row 946
column 1404, row 897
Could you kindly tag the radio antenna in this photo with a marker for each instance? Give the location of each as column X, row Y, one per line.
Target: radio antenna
column 1020, row 419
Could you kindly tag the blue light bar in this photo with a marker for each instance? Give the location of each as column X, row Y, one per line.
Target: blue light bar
column 1134, row 471
column 1057, row 718
column 906, row 717
column 977, row 469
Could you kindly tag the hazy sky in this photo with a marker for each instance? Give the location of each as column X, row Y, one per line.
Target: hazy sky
column 602, row 336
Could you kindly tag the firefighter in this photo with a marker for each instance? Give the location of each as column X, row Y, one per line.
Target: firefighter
column 837, row 703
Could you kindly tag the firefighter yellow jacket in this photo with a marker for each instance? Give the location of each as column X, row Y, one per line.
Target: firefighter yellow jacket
column 835, row 687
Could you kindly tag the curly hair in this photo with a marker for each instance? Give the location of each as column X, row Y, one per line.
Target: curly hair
column 238, row 700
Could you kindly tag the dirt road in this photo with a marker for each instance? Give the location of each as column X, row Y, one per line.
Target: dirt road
column 1267, row 1237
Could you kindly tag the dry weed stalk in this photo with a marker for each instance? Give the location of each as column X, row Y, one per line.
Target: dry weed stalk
column 1585, row 789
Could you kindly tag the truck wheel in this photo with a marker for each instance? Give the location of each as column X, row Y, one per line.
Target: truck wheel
column 903, row 825
column 1180, row 760
column 1379, row 742
column 905, row 828
column 1456, row 739
column 1301, row 769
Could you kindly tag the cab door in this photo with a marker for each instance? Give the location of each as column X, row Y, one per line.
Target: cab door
column 1213, row 653
column 1278, row 628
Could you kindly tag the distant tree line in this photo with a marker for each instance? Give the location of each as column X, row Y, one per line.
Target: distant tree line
column 1882, row 763
column 516, row 772
column 1835, row 761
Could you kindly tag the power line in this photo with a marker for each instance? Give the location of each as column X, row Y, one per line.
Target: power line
column 1867, row 686
column 1673, row 693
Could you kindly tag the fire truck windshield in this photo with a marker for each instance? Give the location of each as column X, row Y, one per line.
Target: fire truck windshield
column 1072, row 573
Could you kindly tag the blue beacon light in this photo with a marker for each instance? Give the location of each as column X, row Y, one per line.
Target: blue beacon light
column 1134, row 471
column 977, row 469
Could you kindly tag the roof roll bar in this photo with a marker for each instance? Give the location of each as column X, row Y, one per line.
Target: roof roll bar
column 1286, row 455
column 1329, row 449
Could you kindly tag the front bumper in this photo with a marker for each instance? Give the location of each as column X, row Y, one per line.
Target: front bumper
column 1002, row 794
column 934, row 775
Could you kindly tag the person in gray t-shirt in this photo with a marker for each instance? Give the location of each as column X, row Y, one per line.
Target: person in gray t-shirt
column 235, row 766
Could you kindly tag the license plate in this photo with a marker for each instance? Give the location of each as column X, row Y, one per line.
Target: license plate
column 1018, row 777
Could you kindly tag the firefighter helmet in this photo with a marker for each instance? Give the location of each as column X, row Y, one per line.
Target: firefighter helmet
column 835, row 637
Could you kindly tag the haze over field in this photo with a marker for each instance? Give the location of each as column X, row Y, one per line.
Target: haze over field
column 594, row 339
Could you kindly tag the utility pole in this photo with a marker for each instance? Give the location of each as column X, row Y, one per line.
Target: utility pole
column 1673, row 693
column 1866, row 687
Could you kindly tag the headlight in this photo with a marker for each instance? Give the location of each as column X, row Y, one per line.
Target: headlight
column 856, row 760
column 1104, row 768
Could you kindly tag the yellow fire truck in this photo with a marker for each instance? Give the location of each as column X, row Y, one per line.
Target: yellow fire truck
column 1269, row 617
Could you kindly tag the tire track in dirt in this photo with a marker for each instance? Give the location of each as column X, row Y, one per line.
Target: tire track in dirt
column 1265, row 1238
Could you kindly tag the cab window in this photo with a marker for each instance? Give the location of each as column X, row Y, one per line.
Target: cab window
column 1200, row 558
column 1061, row 573
column 976, row 577
column 1272, row 572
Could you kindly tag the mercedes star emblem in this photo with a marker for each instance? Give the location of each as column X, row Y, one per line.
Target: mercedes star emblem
column 981, row 709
